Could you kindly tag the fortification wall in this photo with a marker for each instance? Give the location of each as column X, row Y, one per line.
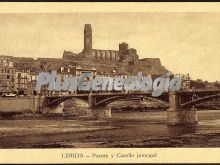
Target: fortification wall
column 148, row 66
column 150, row 61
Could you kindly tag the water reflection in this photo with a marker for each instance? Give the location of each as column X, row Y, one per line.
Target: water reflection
column 181, row 130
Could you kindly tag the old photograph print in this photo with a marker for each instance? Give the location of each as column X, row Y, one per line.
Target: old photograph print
column 109, row 80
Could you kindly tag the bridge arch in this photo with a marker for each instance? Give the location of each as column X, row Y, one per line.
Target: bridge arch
column 58, row 100
column 99, row 101
column 199, row 100
column 108, row 100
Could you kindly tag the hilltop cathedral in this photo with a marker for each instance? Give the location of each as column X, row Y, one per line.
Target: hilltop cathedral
column 125, row 57
column 124, row 53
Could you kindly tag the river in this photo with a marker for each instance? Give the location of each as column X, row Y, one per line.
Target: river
column 131, row 129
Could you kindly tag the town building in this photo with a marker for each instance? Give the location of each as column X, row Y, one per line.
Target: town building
column 186, row 80
column 7, row 76
column 22, row 77
column 67, row 71
column 79, row 70
column 31, row 85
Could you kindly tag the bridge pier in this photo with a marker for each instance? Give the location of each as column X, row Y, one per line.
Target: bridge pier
column 99, row 112
column 56, row 109
column 102, row 112
column 179, row 116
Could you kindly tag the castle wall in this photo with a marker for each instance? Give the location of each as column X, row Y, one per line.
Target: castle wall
column 48, row 59
column 147, row 66
column 150, row 62
column 26, row 59
column 17, row 59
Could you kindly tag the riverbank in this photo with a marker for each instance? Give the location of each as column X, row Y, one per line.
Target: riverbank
column 137, row 105
column 132, row 129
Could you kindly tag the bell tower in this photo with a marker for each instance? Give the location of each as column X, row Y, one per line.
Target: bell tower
column 87, row 37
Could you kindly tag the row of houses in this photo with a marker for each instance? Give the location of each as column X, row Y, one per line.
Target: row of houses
column 13, row 79
column 188, row 83
column 23, row 80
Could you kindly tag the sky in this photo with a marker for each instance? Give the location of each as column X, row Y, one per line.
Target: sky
column 185, row 42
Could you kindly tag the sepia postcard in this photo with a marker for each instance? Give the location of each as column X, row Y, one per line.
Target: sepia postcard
column 109, row 82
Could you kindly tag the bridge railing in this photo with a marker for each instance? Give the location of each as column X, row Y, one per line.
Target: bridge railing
column 62, row 93
column 199, row 90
